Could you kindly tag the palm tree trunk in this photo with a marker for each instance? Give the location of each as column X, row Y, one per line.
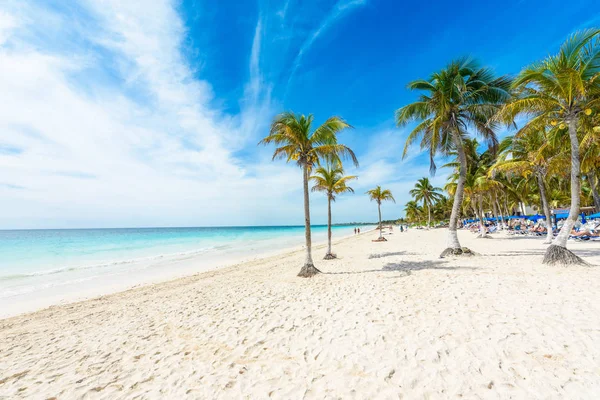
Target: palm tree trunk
column 545, row 207
column 495, row 209
column 481, row 217
column 453, row 245
column 380, row 227
column 428, row 216
column 557, row 252
column 308, row 269
column 594, row 187
column 329, row 255
column 501, row 222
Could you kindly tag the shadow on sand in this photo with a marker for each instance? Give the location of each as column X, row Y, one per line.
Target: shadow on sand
column 420, row 265
column 515, row 253
column 406, row 267
column 388, row 254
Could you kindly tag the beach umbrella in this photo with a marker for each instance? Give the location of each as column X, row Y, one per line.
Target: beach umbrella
column 535, row 218
column 566, row 215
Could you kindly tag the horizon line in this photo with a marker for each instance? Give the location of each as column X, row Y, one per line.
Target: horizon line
column 185, row 227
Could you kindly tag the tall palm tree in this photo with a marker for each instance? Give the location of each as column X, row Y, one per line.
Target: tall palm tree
column 459, row 98
column 562, row 91
column 295, row 141
column 590, row 162
column 379, row 195
column 331, row 181
column 426, row 193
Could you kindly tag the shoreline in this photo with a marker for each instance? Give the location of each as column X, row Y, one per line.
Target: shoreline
column 384, row 320
column 192, row 266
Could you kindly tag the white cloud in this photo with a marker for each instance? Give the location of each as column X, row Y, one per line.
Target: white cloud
column 7, row 24
column 92, row 154
column 108, row 125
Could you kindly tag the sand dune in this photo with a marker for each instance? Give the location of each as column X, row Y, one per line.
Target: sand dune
column 387, row 320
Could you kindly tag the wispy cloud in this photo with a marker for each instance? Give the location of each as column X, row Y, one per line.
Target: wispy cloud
column 75, row 174
column 11, row 186
column 7, row 24
column 10, row 150
column 339, row 10
column 105, row 122
column 118, row 107
column 256, row 103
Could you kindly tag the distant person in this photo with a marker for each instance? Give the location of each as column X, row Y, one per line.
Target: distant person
column 355, row 231
column 401, row 228
column 359, row 231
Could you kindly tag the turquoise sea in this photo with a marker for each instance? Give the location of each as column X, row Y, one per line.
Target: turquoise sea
column 42, row 267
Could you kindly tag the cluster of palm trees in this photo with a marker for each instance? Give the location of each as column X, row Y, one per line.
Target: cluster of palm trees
column 434, row 205
column 558, row 100
column 554, row 151
column 317, row 151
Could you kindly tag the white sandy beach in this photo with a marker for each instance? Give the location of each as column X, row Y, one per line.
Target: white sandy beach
column 388, row 320
column 147, row 270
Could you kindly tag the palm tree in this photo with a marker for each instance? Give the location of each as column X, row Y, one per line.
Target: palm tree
column 527, row 155
column 459, row 97
column 331, row 181
column 380, row 195
column 413, row 211
column 296, row 142
column 425, row 192
column 442, row 208
column 590, row 162
column 561, row 91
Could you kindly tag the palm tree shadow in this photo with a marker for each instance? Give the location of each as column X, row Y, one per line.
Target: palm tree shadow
column 406, row 267
column 542, row 252
column 421, row 265
column 388, row 254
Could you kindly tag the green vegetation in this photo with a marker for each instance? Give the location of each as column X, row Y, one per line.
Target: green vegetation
column 552, row 160
column 555, row 152
column 461, row 96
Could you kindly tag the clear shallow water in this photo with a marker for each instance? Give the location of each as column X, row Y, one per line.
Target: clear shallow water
column 55, row 263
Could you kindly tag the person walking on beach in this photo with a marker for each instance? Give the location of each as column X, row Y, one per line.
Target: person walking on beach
column 355, row 231
column 359, row 231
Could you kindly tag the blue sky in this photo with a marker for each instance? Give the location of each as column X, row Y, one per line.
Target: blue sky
column 145, row 113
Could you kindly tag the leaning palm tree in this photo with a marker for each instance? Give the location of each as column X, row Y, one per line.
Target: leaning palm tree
column 331, row 181
column 425, row 192
column 562, row 91
column 378, row 195
column 459, row 98
column 296, row 142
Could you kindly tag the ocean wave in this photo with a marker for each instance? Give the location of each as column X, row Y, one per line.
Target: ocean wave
column 21, row 290
column 172, row 256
